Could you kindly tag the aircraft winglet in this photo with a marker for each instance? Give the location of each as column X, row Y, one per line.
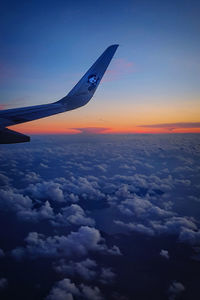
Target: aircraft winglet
column 87, row 85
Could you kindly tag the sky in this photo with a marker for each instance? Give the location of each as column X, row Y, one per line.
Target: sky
column 151, row 86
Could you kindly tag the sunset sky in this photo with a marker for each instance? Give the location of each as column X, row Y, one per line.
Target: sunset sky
column 152, row 85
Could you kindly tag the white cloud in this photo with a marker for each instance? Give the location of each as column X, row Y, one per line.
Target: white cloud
column 164, row 253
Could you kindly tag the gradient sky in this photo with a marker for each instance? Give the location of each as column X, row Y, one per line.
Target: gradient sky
column 152, row 82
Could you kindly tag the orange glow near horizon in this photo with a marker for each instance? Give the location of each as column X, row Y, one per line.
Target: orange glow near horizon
column 120, row 119
column 60, row 129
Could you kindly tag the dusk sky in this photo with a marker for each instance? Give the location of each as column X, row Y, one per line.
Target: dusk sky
column 152, row 84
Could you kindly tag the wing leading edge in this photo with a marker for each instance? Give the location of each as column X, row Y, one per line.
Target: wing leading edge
column 79, row 96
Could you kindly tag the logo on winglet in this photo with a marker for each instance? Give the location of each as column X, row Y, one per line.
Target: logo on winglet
column 92, row 80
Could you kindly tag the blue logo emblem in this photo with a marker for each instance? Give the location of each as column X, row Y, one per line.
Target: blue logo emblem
column 92, row 80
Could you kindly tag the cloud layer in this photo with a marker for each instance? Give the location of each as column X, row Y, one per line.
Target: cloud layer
column 89, row 205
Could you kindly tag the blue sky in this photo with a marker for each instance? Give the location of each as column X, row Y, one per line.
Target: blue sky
column 46, row 46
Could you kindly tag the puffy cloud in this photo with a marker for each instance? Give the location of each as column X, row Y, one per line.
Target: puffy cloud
column 114, row 250
column 174, row 225
column 184, row 227
column 47, row 190
column 164, row 253
column 175, row 289
column 66, row 290
column 63, row 290
column 190, row 236
column 45, row 211
column 32, row 177
column 12, row 200
column 86, row 268
column 73, row 198
column 76, row 243
column 73, row 214
column 142, row 207
column 140, row 228
column 91, row 293
column 143, row 181
column 25, row 209
column 84, row 187
column 107, row 276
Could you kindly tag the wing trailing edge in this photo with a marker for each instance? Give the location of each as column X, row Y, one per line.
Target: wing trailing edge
column 8, row 136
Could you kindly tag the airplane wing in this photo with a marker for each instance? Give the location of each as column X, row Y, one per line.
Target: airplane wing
column 77, row 97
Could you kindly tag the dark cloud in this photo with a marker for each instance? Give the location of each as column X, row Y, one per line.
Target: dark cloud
column 91, row 293
column 143, row 208
column 107, row 276
column 137, row 227
column 84, row 187
column 122, row 185
column 172, row 126
column 3, row 283
column 175, row 289
column 12, row 200
column 2, row 254
column 73, row 214
column 92, row 130
column 190, row 236
column 76, row 243
column 85, row 269
column 23, row 206
column 164, row 253
column 4, row 180
column 50, row 190
column 31, row 177
column 65, row 289
column 174, row 225
column 44, row 212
